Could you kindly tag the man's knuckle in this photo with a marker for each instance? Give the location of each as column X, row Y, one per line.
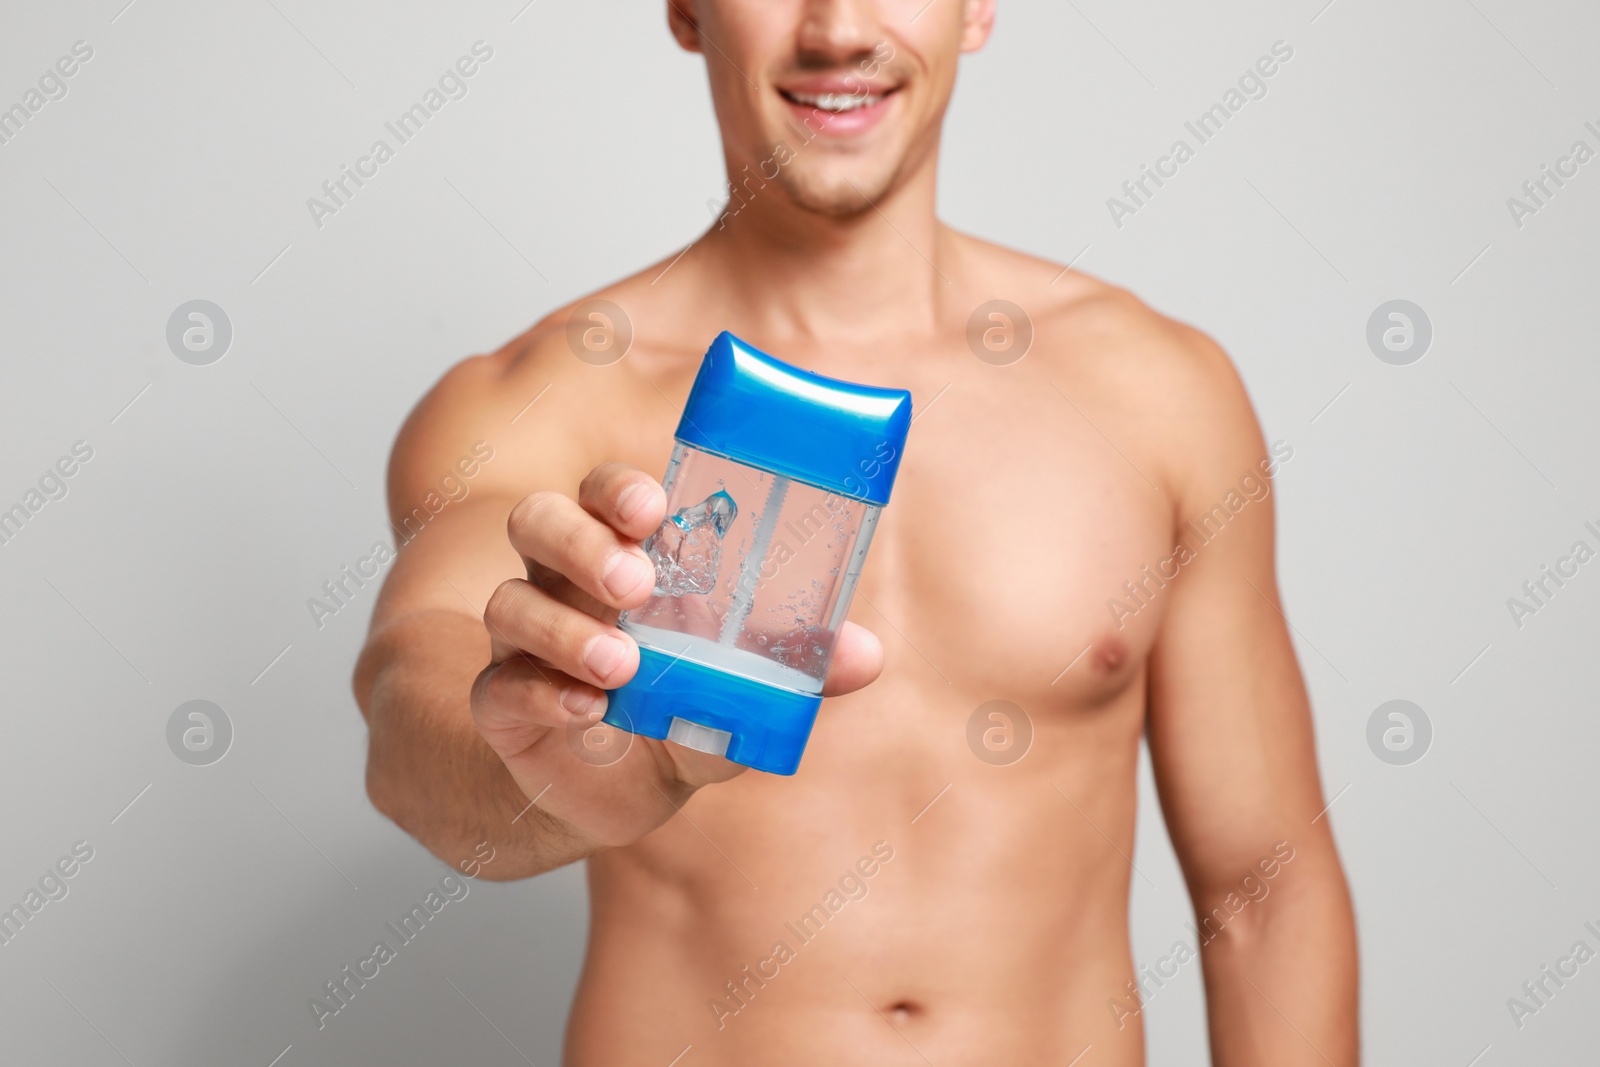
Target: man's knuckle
column 575, row 541
column 551, row 634
column 503, row 601
column 595, row 480
column 532, row 511
column 479, row 698
column 500, row 693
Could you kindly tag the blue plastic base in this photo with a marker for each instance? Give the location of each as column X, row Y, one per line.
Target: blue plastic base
column 769, row 724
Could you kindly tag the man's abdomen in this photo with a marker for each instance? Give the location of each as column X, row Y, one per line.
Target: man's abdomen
column 899, row 901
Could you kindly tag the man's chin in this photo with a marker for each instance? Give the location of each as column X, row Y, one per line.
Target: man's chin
column 838, row 196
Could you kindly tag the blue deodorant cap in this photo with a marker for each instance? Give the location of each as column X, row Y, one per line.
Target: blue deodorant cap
column 747, row 406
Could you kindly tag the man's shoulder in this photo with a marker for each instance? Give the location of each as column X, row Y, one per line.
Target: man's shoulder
column 539, row 392
column 486, row 386
column 1069, row 309
column 593, row 331
column 1161, row 379
column 1086, row 326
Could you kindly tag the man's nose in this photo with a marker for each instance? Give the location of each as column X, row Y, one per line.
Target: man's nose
column 834, row 30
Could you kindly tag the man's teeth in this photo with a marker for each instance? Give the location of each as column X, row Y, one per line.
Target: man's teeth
column 836, row 101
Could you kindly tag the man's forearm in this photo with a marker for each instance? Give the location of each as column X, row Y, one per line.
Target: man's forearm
column 1281, row 985
column 427, row 767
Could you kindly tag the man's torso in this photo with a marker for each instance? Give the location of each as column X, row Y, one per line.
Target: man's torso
column 952, row 860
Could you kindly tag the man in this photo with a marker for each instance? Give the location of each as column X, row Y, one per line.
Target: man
column 910, row 896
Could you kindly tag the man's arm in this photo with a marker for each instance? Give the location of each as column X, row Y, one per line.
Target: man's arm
column 428, row 766
column 430, row 770
column 1231, row 741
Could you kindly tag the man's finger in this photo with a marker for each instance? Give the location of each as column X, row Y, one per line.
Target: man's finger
column 553, row 532
column 857, row 660
column 521, row 617
column 624, row 498
column 514, row 702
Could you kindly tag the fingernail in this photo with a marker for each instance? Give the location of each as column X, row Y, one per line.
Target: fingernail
column 604, row 654
column 624, row 573
column 583, row 702
column 632, row 500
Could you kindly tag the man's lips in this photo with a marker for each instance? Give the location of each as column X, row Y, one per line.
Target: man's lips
column 836, row 100
column 839, row 106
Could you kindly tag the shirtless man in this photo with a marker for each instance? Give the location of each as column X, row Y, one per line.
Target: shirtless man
column 900, row 900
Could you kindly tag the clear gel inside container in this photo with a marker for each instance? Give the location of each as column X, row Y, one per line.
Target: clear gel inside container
column 754, row 571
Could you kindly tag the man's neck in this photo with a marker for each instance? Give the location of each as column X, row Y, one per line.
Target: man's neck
column 796, row 274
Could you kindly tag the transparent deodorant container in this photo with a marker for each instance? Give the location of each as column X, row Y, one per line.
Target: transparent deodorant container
column 774, row 489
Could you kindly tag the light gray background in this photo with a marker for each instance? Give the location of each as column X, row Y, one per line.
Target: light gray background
column 178, row 567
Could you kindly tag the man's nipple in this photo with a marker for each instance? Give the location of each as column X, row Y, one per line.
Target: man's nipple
column 1108, row 654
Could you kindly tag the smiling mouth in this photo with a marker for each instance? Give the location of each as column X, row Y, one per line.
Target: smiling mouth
column 835, row 103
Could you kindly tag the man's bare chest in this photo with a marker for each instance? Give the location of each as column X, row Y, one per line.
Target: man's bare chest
column 1014, row 523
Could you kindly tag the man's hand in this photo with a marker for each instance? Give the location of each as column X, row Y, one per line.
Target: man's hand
column 458, row 754
column 556, row 648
